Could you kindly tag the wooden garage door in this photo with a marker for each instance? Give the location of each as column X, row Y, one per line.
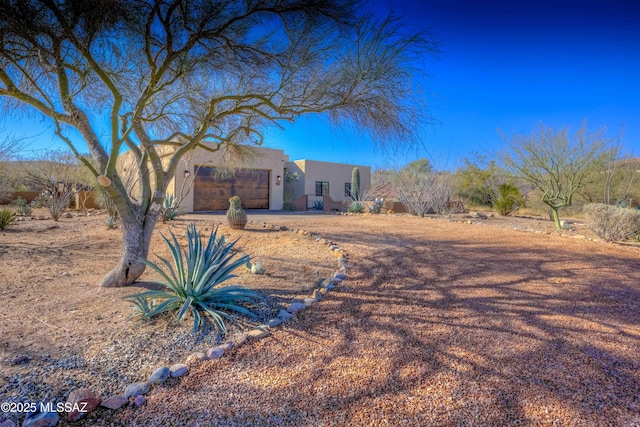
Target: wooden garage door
column 211, row 193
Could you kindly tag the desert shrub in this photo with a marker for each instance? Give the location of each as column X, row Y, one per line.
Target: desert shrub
column 356, row 207
column 422, row 192
column 508, row 199
column 288, row 206
column 7, row 217
column 612, row 223
column 23, row 207
column 193, row 282
column 111, row 223
column 56, row 201
column 318, row 205
column 376, row 205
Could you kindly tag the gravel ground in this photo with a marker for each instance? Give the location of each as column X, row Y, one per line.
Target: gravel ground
column 439, row 323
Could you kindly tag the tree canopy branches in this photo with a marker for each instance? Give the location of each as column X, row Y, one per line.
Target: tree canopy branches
column 144, row 74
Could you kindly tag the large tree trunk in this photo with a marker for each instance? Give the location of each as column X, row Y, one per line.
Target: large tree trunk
column 136, row 236
column 555, row 216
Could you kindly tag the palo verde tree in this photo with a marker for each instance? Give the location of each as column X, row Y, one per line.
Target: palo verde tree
column 159, row 78
column 555, row 163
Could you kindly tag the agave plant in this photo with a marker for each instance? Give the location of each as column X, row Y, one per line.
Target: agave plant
column 170, row 209
column 193, row 281
column 7, row 217
column 356, row 207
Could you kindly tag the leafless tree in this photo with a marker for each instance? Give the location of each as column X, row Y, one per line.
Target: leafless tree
column 422, row 190
column 620, row 173
column 169, row 76
column 58, row 176
column 9, row 147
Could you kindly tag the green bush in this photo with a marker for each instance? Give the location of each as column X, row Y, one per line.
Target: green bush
column 612, row 223
column 508, row 199
column 288, row 206
column 193, row 282
column 356, row 207
column 22, row 207
column 7, row 217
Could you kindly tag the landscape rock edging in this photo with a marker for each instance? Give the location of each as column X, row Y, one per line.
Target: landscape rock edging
column 134, row 393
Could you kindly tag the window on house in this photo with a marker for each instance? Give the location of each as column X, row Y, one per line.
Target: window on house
column 322, row 188
column 347, row 189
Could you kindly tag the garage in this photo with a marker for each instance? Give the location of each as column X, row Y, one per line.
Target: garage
column 211, row 192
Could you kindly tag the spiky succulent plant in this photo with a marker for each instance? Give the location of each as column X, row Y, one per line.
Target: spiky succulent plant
column 7, row 217
column 193, row 282
column 236, row 216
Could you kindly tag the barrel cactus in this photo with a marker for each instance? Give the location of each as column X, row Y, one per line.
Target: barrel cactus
column 236, row 217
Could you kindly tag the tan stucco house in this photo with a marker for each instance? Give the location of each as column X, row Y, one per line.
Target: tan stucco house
column 207, row 184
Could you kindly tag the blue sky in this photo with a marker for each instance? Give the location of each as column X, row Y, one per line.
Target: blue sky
column 504, row 65
column 507, row 65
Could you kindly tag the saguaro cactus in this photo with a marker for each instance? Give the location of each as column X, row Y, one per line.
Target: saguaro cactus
column 355, row 184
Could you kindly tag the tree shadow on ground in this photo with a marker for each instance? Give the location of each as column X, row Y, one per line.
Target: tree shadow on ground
column 442, row 332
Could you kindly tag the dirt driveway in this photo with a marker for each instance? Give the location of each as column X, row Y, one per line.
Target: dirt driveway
column 438, row 323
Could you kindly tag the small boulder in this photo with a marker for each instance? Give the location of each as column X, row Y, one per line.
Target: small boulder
column 257, row 333
column 226, row 346
column 284, row 315
column 114, row 402
column 214, row 353
column 20, row 359
column 159, row 376
column 340, row 275
column 309, row 301
column 139, row 401
column 136, row 389
column 316, row 294
column 478, row 215
column 41, row 419
column 274, row 322
column 240, row 339
column 178, row 370
column 195, row 358
column 296, row 307
column 82, row 402
column 328, row 282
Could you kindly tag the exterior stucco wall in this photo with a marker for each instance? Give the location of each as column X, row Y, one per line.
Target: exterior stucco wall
column 336, row 174
column 274, row 160
column 265, row 158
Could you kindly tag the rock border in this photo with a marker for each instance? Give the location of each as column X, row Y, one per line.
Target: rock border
column 134, row 393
